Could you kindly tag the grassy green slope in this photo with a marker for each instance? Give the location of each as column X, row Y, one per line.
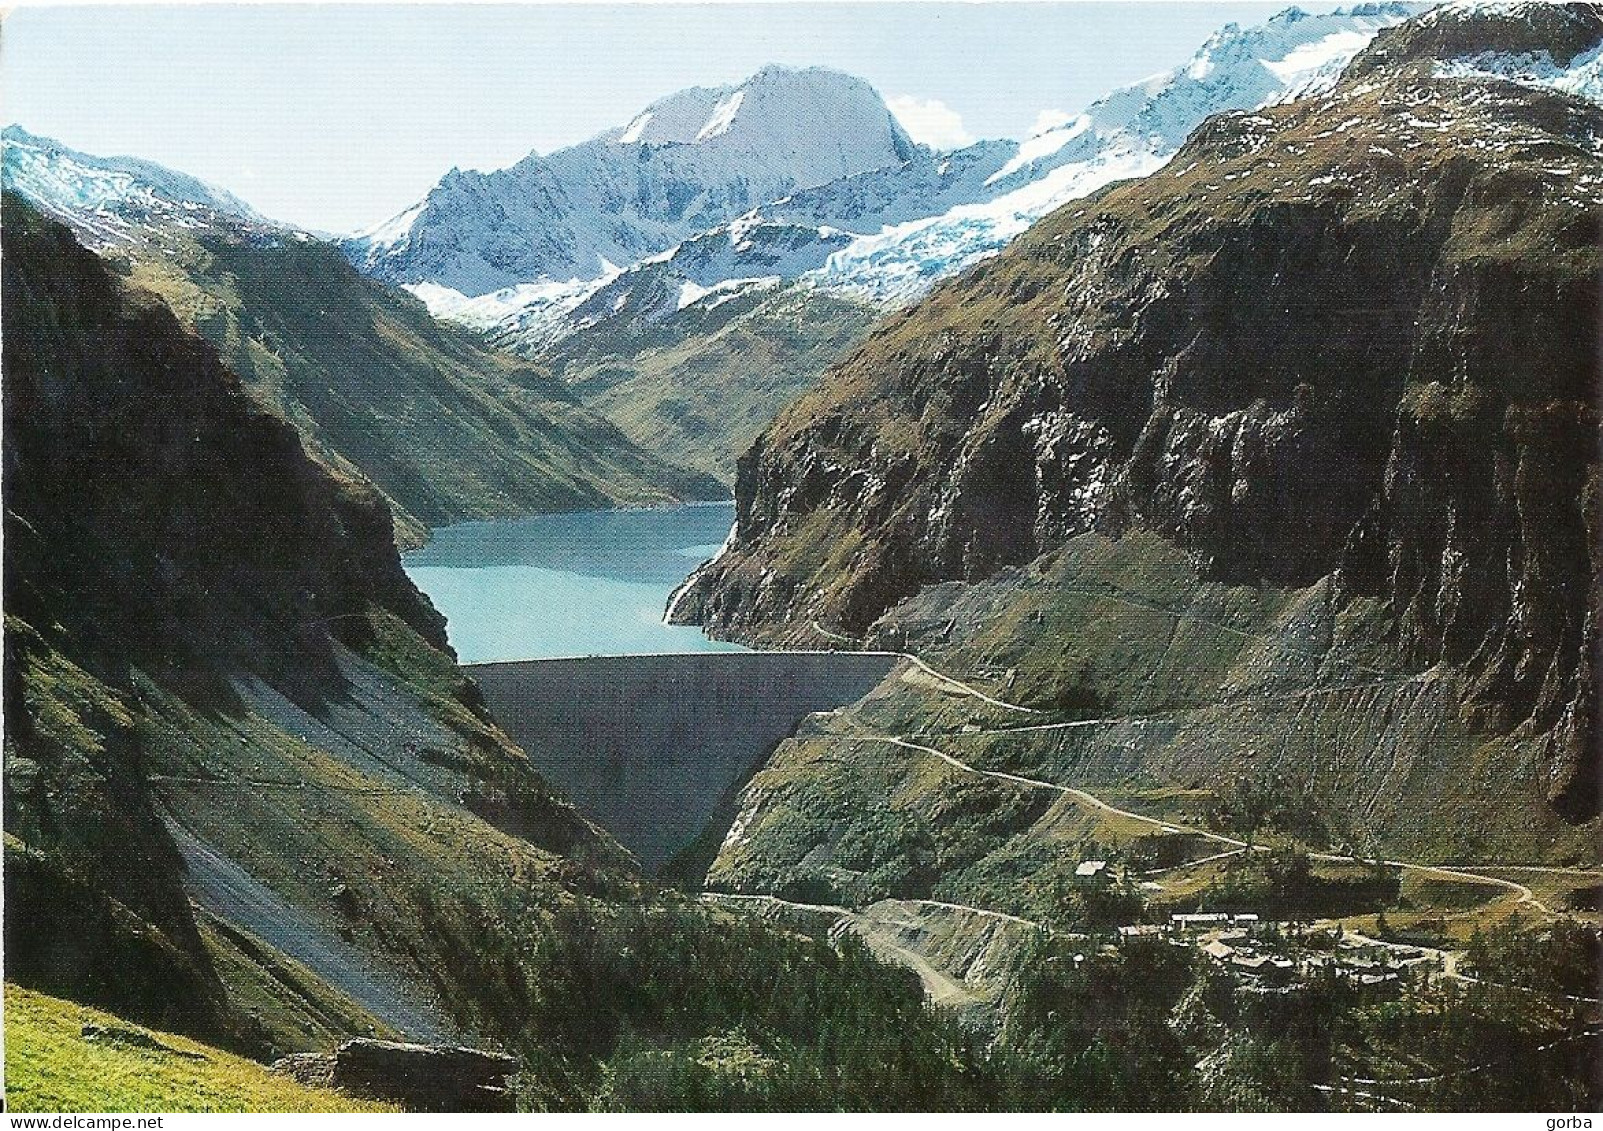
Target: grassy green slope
column 61, row 1056
column 206, row 630
column 1186, row 696
column 699, row 389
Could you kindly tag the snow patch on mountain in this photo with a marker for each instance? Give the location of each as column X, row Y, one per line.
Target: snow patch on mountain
column 1457, row 9
column 114, row 200
column 393, row 231
column 899, row 264
column 884, row 233
column 716, row 295
column 1130, row 133
column 634, row 129
column 1042, row 145
column 723, row 116
column 1582, row 77
column 537, row 308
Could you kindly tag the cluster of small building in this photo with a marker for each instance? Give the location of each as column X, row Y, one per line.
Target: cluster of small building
column 1249, row 946
column 1180, row 928
column 1367, row 971
column 1248, row 959
column 1213, row 920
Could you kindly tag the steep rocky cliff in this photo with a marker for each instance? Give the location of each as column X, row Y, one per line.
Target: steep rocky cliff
column 135, row 459
column 1350, row 337
column 171, row 553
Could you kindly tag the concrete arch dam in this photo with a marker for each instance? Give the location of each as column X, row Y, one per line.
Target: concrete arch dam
column 647, row 746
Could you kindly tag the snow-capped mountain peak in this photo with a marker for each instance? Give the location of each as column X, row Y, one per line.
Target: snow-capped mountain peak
column 1129, row 133
column 1550, row 44
column 106, row 200
column 776, row 107
column 1236, row 69
column 841, row 199
column 686, row 163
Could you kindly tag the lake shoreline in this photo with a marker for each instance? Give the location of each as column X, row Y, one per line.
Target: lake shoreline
column 571, row 585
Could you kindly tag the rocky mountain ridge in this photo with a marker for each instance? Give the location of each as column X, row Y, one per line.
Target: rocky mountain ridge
column 863, row 243
column 170, row 547
column 110, row 200
column 1343, row 337
column 887, row 234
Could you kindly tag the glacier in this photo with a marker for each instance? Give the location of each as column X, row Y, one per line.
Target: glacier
column 792, row 178
column 1132, row 132
column 884, row 233
column 110, row 201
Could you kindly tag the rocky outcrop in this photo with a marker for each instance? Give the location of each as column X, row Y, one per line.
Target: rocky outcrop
column 418, row 1077
column 1561, row 31
column 1347, row 336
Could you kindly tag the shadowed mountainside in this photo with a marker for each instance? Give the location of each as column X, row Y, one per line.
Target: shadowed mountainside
column 446, row 428
column 175, row 561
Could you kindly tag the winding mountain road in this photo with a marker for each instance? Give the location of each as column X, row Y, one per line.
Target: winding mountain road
column 1080, row 795
column 966, row 689
column 1471, row 873
column 1462, row 872
column 939, row 987
column 1329, row 1089
column 1521, row 892
column 943, row 989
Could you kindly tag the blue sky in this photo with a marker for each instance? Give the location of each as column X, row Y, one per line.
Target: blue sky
column 337, row 117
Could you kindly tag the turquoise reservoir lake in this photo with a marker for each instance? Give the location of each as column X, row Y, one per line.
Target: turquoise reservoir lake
column 587, row 584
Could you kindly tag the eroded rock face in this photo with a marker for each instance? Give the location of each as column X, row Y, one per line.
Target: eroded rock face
column 1350, row 336
column 418, row 1077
